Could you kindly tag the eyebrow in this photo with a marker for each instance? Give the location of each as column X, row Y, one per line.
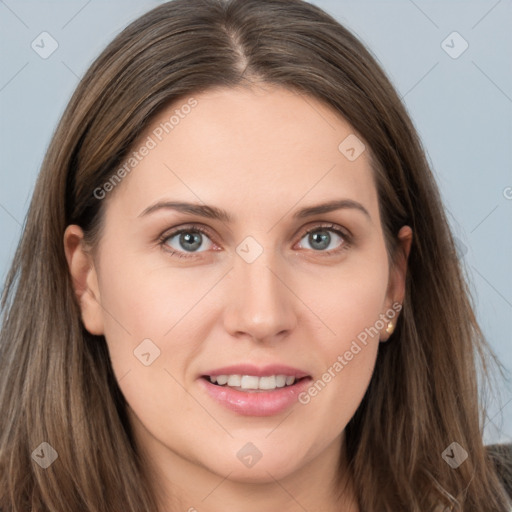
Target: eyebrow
column 212, row 212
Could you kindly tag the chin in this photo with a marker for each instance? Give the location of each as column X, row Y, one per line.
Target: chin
column 250, row 464
column 259, row 474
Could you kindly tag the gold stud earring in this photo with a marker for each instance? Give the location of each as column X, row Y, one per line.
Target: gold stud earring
column 390, row 328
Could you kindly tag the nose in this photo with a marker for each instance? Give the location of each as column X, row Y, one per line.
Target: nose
column 260, row 303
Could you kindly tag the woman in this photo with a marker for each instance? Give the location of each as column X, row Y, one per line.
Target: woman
column 252, row 369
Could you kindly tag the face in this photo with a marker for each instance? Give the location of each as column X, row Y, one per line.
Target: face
column 251, row 285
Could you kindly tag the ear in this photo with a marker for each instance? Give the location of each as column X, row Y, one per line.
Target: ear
column 84, row 278
column 398, row 274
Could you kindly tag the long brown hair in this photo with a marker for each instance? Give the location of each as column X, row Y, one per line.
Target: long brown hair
column 56, row 381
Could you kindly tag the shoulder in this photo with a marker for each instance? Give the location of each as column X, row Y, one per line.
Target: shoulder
column 501, row 456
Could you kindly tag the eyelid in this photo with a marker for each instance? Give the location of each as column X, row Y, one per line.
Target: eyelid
column 329, row 226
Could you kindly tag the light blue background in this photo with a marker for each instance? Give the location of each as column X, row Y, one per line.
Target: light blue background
column 461, row 107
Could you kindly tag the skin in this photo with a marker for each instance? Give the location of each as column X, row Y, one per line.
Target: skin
column 260, row 154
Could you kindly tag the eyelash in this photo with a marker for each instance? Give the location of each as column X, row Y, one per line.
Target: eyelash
column 347, row 238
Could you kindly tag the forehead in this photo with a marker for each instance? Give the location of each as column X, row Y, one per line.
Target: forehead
column 258, row 149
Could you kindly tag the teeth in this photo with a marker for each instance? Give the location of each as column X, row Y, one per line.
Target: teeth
column 267, row 382
column 252, row 382
column 234, row 380
column 222, row 379
column 249, row 382
column 280, row 381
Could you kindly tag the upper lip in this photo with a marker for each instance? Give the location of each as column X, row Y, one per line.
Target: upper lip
column 257, row 371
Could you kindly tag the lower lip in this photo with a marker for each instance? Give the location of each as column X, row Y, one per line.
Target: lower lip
column 256, row 403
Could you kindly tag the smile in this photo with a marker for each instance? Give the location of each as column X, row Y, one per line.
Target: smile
column 252, row 382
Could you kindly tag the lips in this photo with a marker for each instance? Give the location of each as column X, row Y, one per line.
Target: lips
column 264, row 371
column 255, row 391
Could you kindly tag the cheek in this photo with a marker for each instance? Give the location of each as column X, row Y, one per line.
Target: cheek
column 352, row 308
column 142, row 302
column 150, row 323
column 147, row 296
column 333, row 397
column 350, row 297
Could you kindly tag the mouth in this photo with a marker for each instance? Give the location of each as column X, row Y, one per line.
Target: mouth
column 253, row 383
column 249, row 390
